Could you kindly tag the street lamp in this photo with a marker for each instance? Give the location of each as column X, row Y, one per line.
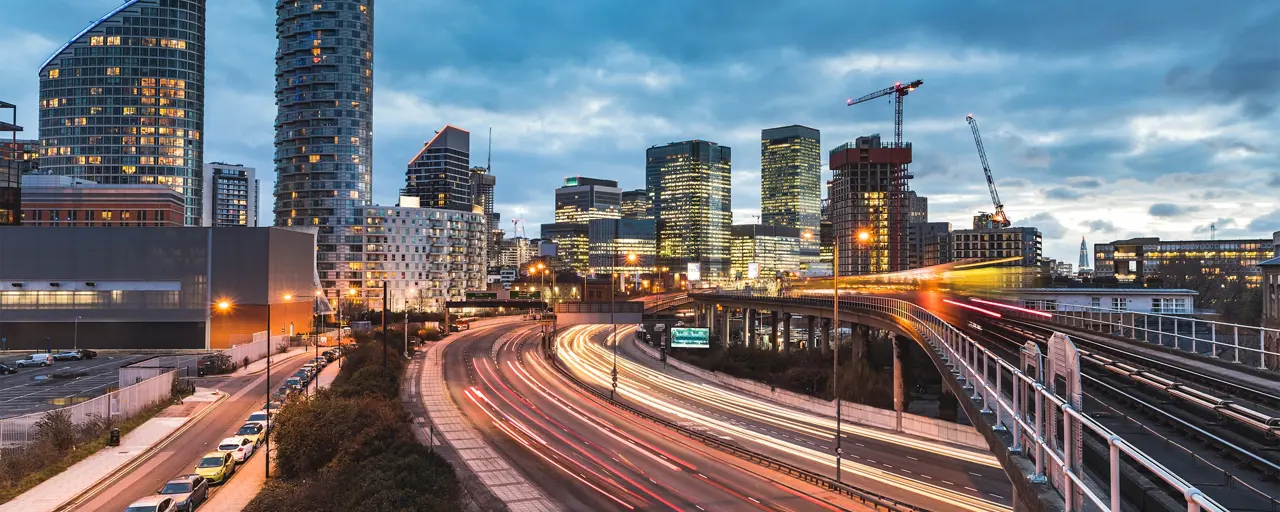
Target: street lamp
column 863, row 236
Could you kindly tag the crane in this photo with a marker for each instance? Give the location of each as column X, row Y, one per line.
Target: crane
column 998, row 217
column 898, row 90
column 517, row 227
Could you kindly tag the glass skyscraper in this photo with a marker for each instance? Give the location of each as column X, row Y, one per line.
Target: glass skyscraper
column 324, row 133
column 440, row 175
column 690, row 183
column 122, row 102
column 583, row 199
column 791, row 178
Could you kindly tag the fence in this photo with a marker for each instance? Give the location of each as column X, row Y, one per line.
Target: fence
column 119, row 405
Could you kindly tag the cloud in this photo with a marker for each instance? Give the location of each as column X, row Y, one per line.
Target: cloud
column 1062, row 193
column 1084, row 182
column 1266, row 222
column 1167, row 210
column 1099, row 226
column 1050, row 227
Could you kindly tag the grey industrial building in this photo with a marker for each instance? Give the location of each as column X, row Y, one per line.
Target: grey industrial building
column 152, row 288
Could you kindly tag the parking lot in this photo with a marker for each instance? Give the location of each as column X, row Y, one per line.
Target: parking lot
column 64, row 383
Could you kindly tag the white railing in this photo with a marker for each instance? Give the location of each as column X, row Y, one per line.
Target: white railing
column 1255, row 346
column 980, row 372
column 119, row 405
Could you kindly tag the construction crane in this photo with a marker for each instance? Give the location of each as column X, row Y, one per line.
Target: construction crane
column 999, row 217
column 899, row 90
column 517, row 227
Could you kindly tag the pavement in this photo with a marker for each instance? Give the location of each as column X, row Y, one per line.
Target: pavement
column 83, row 475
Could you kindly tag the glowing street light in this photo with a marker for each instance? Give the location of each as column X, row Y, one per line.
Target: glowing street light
column 224, row 305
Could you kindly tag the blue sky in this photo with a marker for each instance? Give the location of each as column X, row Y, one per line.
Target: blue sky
column 1101, row 119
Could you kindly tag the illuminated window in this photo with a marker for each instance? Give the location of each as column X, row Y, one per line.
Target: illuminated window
column 317, row 7
column 129, row 111
column 128, row 169
column 96, row 40
column 113, row 41
column 113, row 71
column 54, row 73
column 314, row 158
column 148, row 82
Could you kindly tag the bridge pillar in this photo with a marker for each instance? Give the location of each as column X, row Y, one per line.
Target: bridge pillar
column 773, row 330
column 786, row 332
column 725, row 328
column 810, row 334
column 826, row 334
column 749, row 317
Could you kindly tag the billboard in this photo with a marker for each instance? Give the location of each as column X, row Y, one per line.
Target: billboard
column 753, row 270
column 694, row 272
column 690, row 337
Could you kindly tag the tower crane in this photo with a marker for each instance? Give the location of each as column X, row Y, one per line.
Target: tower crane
column 999, row 216
column 898, row 90
column 517, row 227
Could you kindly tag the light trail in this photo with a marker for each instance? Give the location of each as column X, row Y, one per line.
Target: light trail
column 974, row 308
column 1015, row 308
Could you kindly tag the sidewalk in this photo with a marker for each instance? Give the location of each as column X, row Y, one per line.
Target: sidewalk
column 260, row 365
column 236, row 494
column 88, row 473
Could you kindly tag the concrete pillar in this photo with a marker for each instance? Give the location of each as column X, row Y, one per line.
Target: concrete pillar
column 786, row 332
column 773, row 330
column 724, row 329
column 898, row 398
column 749, row 327
column 810, row 333
column 826, row 334
column 861, row 339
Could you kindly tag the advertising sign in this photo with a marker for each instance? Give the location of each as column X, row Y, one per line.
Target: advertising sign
column 753, row 270
column 690, row 337
column 695, row 272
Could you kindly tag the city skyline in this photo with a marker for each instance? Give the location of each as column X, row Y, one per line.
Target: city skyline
column 1137, row 145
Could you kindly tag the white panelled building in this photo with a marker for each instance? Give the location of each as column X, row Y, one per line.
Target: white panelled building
column 429, row 255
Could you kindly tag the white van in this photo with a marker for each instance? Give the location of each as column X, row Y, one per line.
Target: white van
column 34, row 360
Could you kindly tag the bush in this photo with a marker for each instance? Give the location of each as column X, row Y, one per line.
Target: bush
column 57, row 431
column 309, row 433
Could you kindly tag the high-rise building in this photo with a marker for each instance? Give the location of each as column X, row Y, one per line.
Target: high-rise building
column 427, row 255
column 870, row 195
column 63, row 201
column 583, row 199
column 1084, row 256
column 122, row 102
column 930, row 243
column 482, row 184
column 324, row 132
column 10, row 170
column 690, row 183
column 571, row 244
column 636, row 205
column 230, row 195
column 440, row 175
column 516, row 252
column 762, row 252
column 1021, row 246
column 611, row 242
column 791, row 177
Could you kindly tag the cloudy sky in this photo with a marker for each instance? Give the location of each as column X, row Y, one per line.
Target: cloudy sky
column 1102, row 119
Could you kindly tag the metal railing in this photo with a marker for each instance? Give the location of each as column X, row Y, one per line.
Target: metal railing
column 1240, row 344
column 118, row 405
column 980, row 372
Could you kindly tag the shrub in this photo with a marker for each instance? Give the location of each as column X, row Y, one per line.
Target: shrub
column 57, row 430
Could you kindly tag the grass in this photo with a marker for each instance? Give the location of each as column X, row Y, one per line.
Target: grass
column 80, row 453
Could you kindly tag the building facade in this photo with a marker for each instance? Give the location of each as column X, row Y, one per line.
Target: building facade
column 11, row 164
column 571, row 245
column 230, row 195
column 791, row 178
column 636, row 205
column 870, row 194
column 440, row 175
column 612, row 242
column 1136, row 259
column 1023, row 243
column 930, row 244
column 689, row 183
column 122, row 102
column 762, row 251
column 1271, row 308
column 25, row 153
column 426, row 255
column 583, row 199
column 516, row 252
column 324, row 130
column 1164, row 301
column 63, row 201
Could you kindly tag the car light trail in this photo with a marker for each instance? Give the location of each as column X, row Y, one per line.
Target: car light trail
column 1015, row 308
column 975, row 308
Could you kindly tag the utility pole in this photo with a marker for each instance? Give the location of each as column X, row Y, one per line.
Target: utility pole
column 614, row 336
column 384, row 324
column 835, row 349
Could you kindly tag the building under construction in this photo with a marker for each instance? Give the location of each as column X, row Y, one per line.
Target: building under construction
column 870, row 185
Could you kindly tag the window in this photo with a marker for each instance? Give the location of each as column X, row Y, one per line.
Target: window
column 1120, row 303
column 54, row 73
column 1095, row 302
column 113, row 71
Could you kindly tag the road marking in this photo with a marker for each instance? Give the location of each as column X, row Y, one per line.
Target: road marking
column 753, row 499
column 971, row 489
column 926, row 476
column 975, row 474
column 948, row 483
column 912, row 458
column 997, row 496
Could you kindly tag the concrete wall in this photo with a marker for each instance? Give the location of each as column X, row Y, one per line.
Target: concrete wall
column 929, row 428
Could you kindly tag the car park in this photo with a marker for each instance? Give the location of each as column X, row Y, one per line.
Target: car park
column 6, row 369
column 240, row 447
column 216, row 467
column 155, row 503
column 187, row 491
column 252, row 431
column 34, row 360
column 67, row 356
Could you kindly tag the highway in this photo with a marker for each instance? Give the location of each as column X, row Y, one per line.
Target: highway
column 589, row 456
column 926, row 474
column 183, row 451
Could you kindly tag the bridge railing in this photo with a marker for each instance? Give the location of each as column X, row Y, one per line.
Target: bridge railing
column 980, row 372
column 1254, row 346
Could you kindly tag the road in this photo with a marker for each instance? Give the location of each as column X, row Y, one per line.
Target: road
column 184, row 450
column 927, row 474
column 589, row 456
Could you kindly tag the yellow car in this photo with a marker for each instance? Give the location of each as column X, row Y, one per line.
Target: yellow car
column 253, row 432
column 216, row 467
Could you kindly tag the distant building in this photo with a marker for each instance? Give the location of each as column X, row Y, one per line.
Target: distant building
column 426, row 255
column 122, row 102
column 440, row 174
column 930, row 243
column 11, row 164
column 24, row 153
column 690, row 183
column 1164, row 301
column 63, row 201
column 582, row 199
column 1136, row 259
column 870, row 193
column 791, row 178
column 571, row 243
column 636, row 205
column 1271, row 307
column 611, row 242
column 1021, row 247
column 230, row 195
column 772, row 249
column 1062, row 268
column 516, row 252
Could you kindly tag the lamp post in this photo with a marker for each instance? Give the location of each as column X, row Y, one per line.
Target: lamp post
column 75, row 340
column 863, row 236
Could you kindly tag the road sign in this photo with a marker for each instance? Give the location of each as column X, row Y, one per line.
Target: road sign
column 690, row 337
column 482, row 295
column 519, row 295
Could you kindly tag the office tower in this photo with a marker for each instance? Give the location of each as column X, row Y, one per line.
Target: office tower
column 230, row 195
column 569, row 243
column 440, row 175
column 324, row 132
column 791, row 177
column 63, row 201
column 122, row 102
column 10, row 170
column 636, row 205
column 612, row 241
column 689, row 183
column 868, row 196
column 763, row 252
column 582, row 199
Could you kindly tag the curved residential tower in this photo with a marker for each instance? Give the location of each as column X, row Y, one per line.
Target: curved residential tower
column 324, row 133
column 122, row 102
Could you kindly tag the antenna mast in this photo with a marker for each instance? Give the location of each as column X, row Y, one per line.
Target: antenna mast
column 488, row 164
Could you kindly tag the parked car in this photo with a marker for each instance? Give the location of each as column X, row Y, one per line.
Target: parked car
column 240, row 447
column 216, row 467
column 155, row 503
column 321, row 362
column 259, row 418
column 34, row 360
column 67, row 356
column 6, row 369
column 88, row 354
column 189, row 491
column 252, row 431
column 293, row 383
